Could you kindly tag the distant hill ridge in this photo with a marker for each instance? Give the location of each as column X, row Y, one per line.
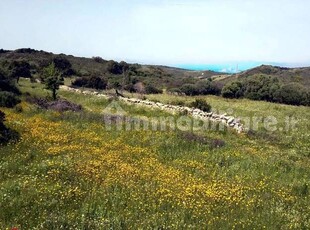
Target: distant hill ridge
column 159, row 75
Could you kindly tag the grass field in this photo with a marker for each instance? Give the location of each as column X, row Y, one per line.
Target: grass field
column 69, row 171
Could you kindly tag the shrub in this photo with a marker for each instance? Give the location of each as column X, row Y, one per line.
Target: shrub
column 64, row 66
column 201, row 104
column 8, row 99
column 175, row 91
column 20, row 69
column 7, row 84
column 189, row 89
column 6, row 134
column 207, row 87
column 64, row 105
column 293, row 94
column 150, row 89
column 233, row 90
column 129, row 87
column 98, row 59
column 94, row 82
column 261, row 87
column 18, row 108
column 97, row 82
column 60, row 105
column 114, row 67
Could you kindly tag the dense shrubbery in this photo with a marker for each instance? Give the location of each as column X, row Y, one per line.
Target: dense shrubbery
column 114, row 67
column 94, row 82
column 204, row 87
column 64, row 66
column 8, row 99
column 207, row 87
column 20, row 69
column 267, row 88
column 201, row 104
column 98, row 59
column 189, row 89
column 261, row 87
column 129, row 87
column 150, row 89
column 233, row 90
column 6, row 134
column 8, row 91
column 294, row 94
column 7, row 84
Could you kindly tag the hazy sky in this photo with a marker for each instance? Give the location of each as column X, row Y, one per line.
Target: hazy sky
column 161, row 31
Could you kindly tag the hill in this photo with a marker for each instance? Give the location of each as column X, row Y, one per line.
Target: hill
column 283, row 74
column 269, row 83
column 160, row 76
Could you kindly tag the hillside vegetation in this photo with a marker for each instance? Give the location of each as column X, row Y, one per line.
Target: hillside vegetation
column 268, row 83
column 69, row 170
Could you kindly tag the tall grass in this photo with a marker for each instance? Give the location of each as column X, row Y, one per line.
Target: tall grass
column 70, row 172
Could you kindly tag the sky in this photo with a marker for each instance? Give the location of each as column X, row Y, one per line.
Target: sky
column 168, row 32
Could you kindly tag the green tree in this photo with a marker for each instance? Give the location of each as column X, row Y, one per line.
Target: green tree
column 261, row 87
column 20, row 69
column 233, row 90
column 293, row 94
column 64, row 66
column 52, row 79
column 189, row 89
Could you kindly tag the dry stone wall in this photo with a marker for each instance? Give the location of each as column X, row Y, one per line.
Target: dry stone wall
column 228, row 121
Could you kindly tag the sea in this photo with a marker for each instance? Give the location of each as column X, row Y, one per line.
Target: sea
column 232, row 67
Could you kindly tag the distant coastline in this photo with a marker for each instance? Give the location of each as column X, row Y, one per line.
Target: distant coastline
column 226, row 67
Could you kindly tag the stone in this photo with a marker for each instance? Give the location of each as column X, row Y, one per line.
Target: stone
column 230, row 120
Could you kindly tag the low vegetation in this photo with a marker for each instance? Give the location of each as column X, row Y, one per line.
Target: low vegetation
column 201, row 104
column 267, row 88
column 70, row 170
column 268, row 83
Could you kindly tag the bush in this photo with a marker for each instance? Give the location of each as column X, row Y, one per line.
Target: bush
column 20, row 69
column 129, row 87
column 233, row 90
column 90, row 82
column 97, row 82
column 98, row 59
column 114, row 67
column 64, row 66
column 206, row 87
column 7, row 84
column 189, row 89
column 149, row 89
column 261, row 87
column 175, row 91
column 293, row 94
column 6, row 134
column 201, row 104
column 60, row 105
column 8, row 99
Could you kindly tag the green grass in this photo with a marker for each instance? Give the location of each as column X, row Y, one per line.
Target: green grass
column 69, row 172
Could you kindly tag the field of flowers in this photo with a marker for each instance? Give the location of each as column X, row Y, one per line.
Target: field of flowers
column 70, row 172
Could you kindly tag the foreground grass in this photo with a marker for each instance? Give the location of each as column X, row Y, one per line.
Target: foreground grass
column 69, row 172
